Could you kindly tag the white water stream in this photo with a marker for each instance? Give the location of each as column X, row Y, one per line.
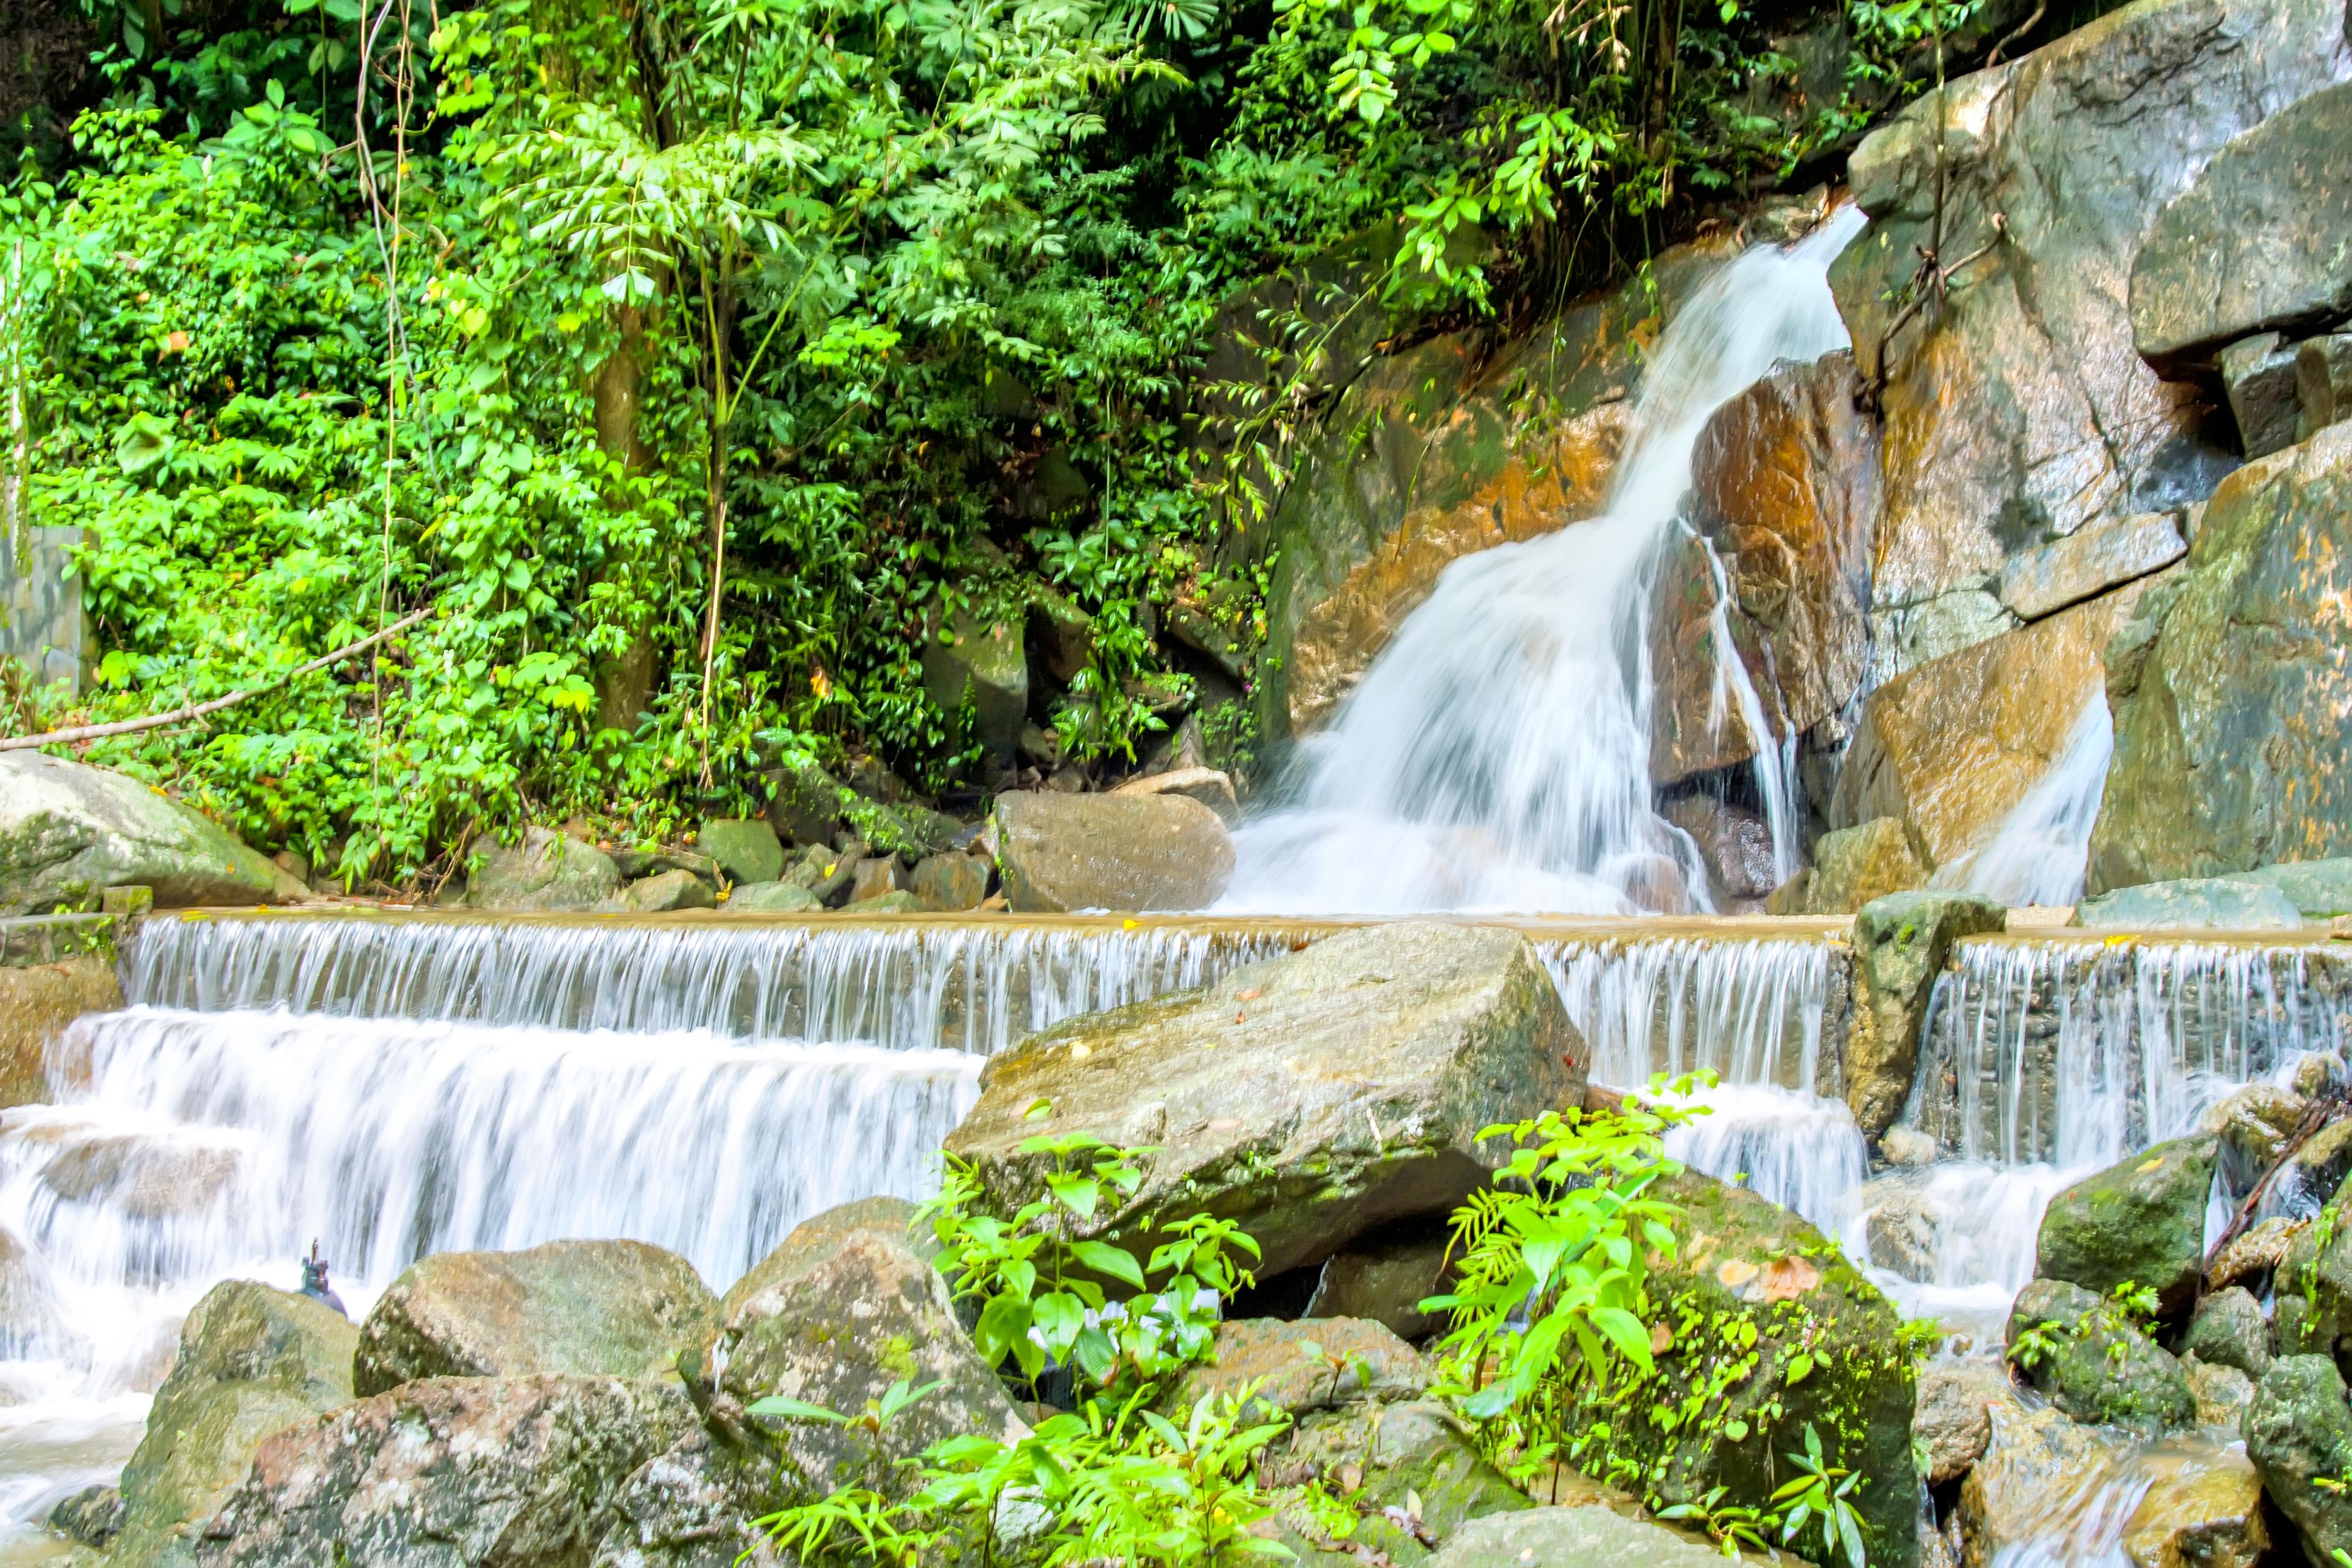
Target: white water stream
column 1496, row 754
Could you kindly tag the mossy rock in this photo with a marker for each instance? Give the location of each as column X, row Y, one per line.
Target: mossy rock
column 2298, row 1433
column 2099, row 1366
column 2141, row 1220
column 1771, row 1330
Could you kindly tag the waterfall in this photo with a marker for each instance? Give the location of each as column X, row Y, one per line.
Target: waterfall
column 2038, row 854
column 2043, row 1061
column 1496, row 754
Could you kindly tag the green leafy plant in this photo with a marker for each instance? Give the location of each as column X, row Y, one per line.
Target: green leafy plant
column 1731, row 1526
column 1818, row 1495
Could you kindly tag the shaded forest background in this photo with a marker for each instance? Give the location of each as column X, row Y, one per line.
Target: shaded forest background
column 699, row 364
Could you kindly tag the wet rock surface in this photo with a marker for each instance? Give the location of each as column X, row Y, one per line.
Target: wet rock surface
column 2094, row 1362
column 1900, row 943
column 2298, row 1433
column 1313, row 1097
column 609, row 1308
column 1063, row 852
column 36, row 1001
column 2141, row 1220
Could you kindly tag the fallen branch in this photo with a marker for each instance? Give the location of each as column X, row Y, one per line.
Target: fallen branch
column 1928, row 283
column 2329, row 1107
column 199, row 709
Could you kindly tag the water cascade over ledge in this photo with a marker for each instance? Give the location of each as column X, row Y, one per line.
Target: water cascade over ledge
column 1496, row 754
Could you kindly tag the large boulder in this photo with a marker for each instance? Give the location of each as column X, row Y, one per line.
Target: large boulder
column 2141, row 1220
column 545, row 871
column 1784, row 492
column 1385, row 1279
column 69, row 831
column 2230, row 1330
column 845, row 1306
column 1436, row 452
column 2085, row 564
column 253, row 1361
column 591, row 1309
column 1856, row 867
column 2319, row 890
column 2298, row 1433
column 2229, row 697
column 746, row 848
column 696, row 1505
column 1948, row 748
column 2023, row 412
column 37, row 1001
column 1312, row 1097
column 2192, row 903
column 1063, row 852
column 1750, row 1280
column 460, row 1472
column 1393, row 1460
column 1900, row 943
column 1592, row 1537
column 2096, row 1364
column 2263, row 239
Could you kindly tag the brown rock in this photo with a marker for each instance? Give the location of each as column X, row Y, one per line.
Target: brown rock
column 2203, row 1511
column 1314, row 1364
column 1059, row 852
column 876, row 876
column 1209, row 786
column 951, row 881
column 1951, row 747
column 1855, row 866
column 1735, row 845
column 36, row 1004
column 2257, row 1253
column 1954, row 1422
column 2035, row 1461
column 1785, row 487
column 1386, row 1282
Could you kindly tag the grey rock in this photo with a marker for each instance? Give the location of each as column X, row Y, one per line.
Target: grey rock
column 92, row 1516
column 253, row 1361
column 980, row 657
column 951, row 881
column 1905, row 637
column 2253, row 1125
column 1312, row 1097
column 69, row 831
column 545, row 871
column 1385, row 1281
column 1900, row 943
column 1901, row 1230
column 635, row 864
column 2086, row 563
column 2262, row 239
column 773, row 898
column 1062, row 852
column 598, row 1309
column 2317, row 888
column 667, row 890
column 694, row 1506
column 1594, row 1537
column 2230, row 1330
column 2192, row 903
column 805, row 802
column 2142, row 1219
column 1953, row 1423
column 2258, row 374
column 2323, row 383
column 1386, row 1454
column 457, row 1472
column 1298, row 1367
column 2298, row 1432
column 898, row 902
column 747, row 849
column 1208, row 786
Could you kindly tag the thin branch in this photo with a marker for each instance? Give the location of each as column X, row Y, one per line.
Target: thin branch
column 199, row 709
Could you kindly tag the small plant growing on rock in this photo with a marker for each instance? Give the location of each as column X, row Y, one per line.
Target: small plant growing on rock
column 1820, row 1492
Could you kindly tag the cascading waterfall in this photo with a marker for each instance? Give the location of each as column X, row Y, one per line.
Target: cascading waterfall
column 1496, row 754
column 2044, row 1061
column 2039, row 853
column 396, row 1084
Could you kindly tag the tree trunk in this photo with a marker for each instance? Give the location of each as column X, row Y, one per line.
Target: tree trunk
column 625, row 681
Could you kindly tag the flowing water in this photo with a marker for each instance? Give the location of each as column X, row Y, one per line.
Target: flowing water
column 1496, row 754
column 2038, row 854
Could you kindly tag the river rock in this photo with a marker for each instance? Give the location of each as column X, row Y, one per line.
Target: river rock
column 1951, row 747
column 2319, row 890
column 1784, row 491
column 773, row 899
column 2254, row 1126
column 2262, row 240
column 2258, row 374
column 92, row 1516
column 1209, row 786
column 695, row 1505
column 2228, row 727
column 1900, row 1226
column 1900, row 943
column 1857, row 866
column 1433, row 453
column 2141, row 1220
column 468, row 1472
column 1064, row 852
column 897, row 903
column 590, row 1309
column 2085, row 564
column 1570, row 1538
column 1413, row 1456
column 1953, row 1423
column 2222, row 1394
column 1735, row 845
column 2103, row 1368
column 746, row 848
column 1386, row 1281
column 2323, row 383
column 665, row 891
column 36, row 1001
column 2230, row 1330
column 981, row 657
column 69, row 831
column 950, row 882
column 252, row 1363
column 2298, row 1433
column 844, row 1306
column 2026, row 413
column 2194, row 903
column 1745, row 1265
column 546, row 870
column 2251, row 1258
column 2204, row 1508
column 2035, row 1457
column 1298, row 1367
column 1312, row 1097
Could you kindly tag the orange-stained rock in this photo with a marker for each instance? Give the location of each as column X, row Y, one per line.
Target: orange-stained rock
column 1950, row 747
column 1785, row 488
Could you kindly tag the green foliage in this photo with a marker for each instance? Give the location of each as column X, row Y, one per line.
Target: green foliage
column 1111, row 1483
column 1040, row 1294
column 1818, row 1495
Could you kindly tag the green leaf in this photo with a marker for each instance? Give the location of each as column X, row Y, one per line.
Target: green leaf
column 1077, row 1193
column 1104, row 1258
column 1800, row 1368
